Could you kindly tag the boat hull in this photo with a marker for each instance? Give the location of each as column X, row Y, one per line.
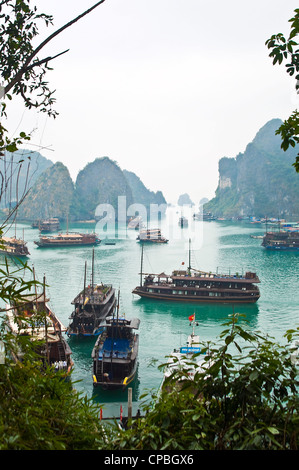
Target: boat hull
column 282, row 248
column 120, row 384
column 115, row 354
column 198, row 299
column 62, row 244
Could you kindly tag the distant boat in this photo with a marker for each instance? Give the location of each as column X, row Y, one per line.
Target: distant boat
column 34, row 318
column 68, row 239
column 187, row 359
column 281, row 240
column 190, row 285
column 115, row 353
column 135, row 223
column 49, row 225
column 91, row 306
column 14, row 246
column 151, row 236
column 206, row 216
column 183, row 222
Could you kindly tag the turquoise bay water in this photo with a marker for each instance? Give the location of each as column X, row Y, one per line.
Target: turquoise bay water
column 221, row 246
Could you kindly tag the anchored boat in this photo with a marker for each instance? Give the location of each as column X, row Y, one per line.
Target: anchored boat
column 192, row 285
column 14, row 246
column 91, row 306
column 115, row 353
column 49, row 225
column 281, row 240
column 68, row 239
column 34, row 318
column 151, row 236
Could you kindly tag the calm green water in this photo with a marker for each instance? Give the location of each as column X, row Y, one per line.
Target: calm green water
column 215, row 245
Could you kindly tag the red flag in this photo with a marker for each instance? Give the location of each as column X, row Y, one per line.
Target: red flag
column 121, row 412
column 101, row 414
column 191, row 318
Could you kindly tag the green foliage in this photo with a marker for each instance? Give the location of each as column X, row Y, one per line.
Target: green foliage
column 283, row 49
column 23, row 74
column 247, row 400
column 40, row 411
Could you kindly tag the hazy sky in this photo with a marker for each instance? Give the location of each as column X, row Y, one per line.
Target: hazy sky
column 163, row 87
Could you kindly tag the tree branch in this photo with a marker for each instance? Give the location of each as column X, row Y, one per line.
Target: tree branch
column 27, row 66
column 43, row 61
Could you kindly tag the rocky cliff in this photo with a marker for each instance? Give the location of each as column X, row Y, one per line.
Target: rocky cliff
column 141, row 194
column 259, row 182
column 50, row 196
column 100, row 182
column 53, row 193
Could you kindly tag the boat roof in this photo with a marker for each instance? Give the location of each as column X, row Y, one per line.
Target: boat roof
column 30, row 298
column 69, row 235
column 179, row 274
column 94, row 294
column 13, row 240
column 132, row 323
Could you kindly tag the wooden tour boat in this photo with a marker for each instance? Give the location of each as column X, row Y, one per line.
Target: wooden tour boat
column 68, row 239
column 281, row 240
column 14, row 246
column 192, row 285
column 92, row 305
column 49, row 225
column 151, row 236
column 34, row 318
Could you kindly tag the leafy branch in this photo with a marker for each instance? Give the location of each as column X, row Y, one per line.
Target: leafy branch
column 283, row 50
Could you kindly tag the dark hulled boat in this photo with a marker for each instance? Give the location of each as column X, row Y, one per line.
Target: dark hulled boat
column 115, row 353
column 34, row 318
column 68, row 239
column 198, row 286
column 91, row 306
column 49, row 225
column 281, row 240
